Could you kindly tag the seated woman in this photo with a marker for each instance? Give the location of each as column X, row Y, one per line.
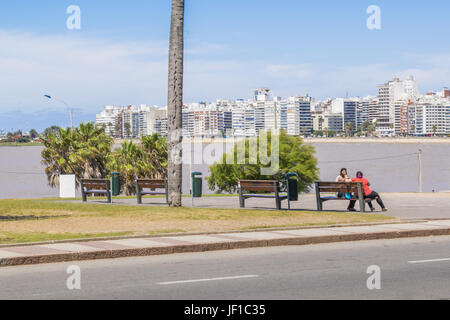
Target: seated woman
column 368, row 193
column 342, row 177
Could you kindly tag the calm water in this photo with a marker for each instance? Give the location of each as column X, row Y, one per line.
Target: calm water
column 389, row 167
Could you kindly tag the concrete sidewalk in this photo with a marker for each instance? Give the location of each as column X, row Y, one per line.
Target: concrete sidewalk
column 132, row 247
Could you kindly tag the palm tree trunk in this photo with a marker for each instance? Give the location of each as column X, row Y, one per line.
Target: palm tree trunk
column 175, row 103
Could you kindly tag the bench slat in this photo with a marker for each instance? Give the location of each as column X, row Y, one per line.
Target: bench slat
column 264, row 196
column 343, row 190
column 152, row 184
column 96, row 191
column 259, row 182
column 256, row 188
column 90, row 184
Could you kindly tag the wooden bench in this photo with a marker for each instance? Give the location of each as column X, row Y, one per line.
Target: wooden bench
column 153, row 185
column 260, row 186
column 96, row 187
column 355, row 188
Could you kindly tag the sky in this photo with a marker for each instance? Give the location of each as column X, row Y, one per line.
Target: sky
column 119, row 56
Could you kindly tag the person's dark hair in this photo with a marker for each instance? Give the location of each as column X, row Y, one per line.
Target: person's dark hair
column 342, row 170
column 359, row 174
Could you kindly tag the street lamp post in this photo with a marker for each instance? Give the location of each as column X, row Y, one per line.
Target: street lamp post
column 66, row 104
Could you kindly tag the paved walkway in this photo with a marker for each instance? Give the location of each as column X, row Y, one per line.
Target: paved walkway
column 401, row 205
column 115, row 248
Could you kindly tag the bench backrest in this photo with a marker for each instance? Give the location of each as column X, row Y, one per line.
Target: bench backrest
column 152, row 183
column 259, row 185
column 99, row 184
column 335, row 187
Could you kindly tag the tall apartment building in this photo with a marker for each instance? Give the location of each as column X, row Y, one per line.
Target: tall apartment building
column 373, row 110
column 325, row 121
column 388, row 94
column 362, row 111
column 347, row 108
column 432, row 116
column 156, row 122
column 405, row 117
column 107, row 118
column 132, row 121
column 446, row 93
column 294, row 115
column 304, row 105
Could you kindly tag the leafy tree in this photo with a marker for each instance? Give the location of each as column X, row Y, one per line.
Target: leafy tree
column 34, row 134
column 318, row 133
column 51, row 130
column 10, row 137
column 294, row 156
column 22, row 140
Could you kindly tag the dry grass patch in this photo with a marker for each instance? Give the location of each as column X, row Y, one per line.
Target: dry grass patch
column 75, row 220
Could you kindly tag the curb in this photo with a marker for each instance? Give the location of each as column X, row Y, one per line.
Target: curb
column 158, row 235
column 191, row 248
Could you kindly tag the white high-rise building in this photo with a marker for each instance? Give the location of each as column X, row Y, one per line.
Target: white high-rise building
column 432, row 116
column 388, row 95
column 107, row 118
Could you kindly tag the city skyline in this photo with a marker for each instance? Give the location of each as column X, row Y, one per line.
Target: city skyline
column 398, row 109
column 40, row 121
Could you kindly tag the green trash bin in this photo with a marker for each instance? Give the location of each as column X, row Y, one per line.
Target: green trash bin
column 115, row 183
column 292, row 186
column 197, row 185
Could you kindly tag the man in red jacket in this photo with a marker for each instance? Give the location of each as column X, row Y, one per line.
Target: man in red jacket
column 368, row 193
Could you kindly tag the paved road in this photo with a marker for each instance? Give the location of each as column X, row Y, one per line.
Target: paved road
column 416, row 268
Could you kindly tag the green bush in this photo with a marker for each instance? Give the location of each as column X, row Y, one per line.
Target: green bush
column 295, row 157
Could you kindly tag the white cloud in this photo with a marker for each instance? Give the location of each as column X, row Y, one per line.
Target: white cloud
column 90, row 73
column 300, row 71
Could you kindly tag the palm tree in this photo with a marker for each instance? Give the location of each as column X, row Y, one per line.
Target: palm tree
column 349, row 129
column 321, row 121
column 93, row 146
column 156, row 148
column 81, row 152
column 132, row 163
column 175, row 103
column 56, row 157
column 127, row 127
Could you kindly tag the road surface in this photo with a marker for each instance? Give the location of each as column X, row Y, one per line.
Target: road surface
column 414, row 268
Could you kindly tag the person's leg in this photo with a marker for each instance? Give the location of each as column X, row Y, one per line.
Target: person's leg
column 370, row 204
column 374, row 195
column 379, row 201
column 351, row 206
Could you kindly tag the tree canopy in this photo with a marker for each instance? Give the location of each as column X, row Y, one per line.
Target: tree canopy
column 294, row 157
